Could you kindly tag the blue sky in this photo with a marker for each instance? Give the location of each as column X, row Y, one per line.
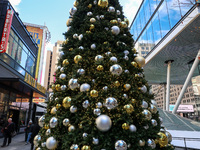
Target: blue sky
column 54, row 14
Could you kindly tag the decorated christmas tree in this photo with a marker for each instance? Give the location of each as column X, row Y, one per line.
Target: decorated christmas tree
column 100, row 99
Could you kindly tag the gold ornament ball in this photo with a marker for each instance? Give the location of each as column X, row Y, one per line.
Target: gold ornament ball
column 127, row 21
column 80, row 126
column 65, row 62
column 66, row 102
column 53, row 110
column 117, row 84
column 46, row 126
column 69, row 21
column 100, row 68
column 71, row 49
column 103, row 3
column 105, row 43
column 140, row 60
column 133, row 63
column 57, row 87
column 153, row 109
column 77, row 58
column 53, row 87
column 127, row 86
column 75, row 4
column 114, row 21
column 134, row 50
column 92, row 20
column 88, row 32
column 66, row 41
column 147, row 114
column 92, row 26
column 90, row 6
column 123, row 24
column 133, row 101
column 94, row 93
column 125, row 126
column 129, row 108
column 58, row 106
column 163, row 140
column 85, row 147
column 71, row 128
column 141, row 142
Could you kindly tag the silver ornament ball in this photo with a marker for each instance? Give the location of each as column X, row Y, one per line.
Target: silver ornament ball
column 120, row 145
column 66, row 122
column 51, row 143
column 86, row 104
column 116, row 69
column 85, row 87
column 53, row 122
column 103, row 123
column 115, row 30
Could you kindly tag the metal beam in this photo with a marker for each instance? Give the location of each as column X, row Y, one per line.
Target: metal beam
column 168, row 85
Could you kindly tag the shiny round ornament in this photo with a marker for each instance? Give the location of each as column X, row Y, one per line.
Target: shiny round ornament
column 85, row 135
column 60, row 54
column 86, row 104
column 92, row 20
column 75, row 4
column 146, row 127
column 126, row 71
column 169, row 136
column 95, row 141
column 123, row 24
column 103, row 3
column 129, row 108
column 41, row 121
column 95, row 2
column 92, row 27
column 53, row 110
column 127, row 21
column 120, row 145
column 46, row 126
column 102, row 17
column 140, row 60
column 126, row 52
column 153, row 109
column 53, row 122
column 58, row 106
column 154, row 102
column 151, row 143
column 81, row 47
column 66, row 102
column 77, row 58
column 147, row 114
column 97, row 111
column 73, row 84
column 110, row 103
column 99, row 105
column 100, row 68
column 69, row 21
column 141, row 142
column 133, row 101
column 134, row 64
column 48, row 132
column 62, row 69
column 116, row 69
column 161, row 120
column 62, row 76
column 111, row 9
column 99, row 58
column 143, row 89
column 127, row 87
column 132, row 128
column 113, row 59
column 36, row 140
column 71, row 128
column 81, row 71
column 65, row 62
column 126, row 58
column 51, row 143
column 57, row 87
column 94, row 93
column 154, row 122
column 66, row 122
column 114, row 21
column 118, row 12
column 163, row 140
column 80, row 37
column 89, row 14
column 86, row 147
column 144, row 104
column 73, row 109
column 115, row 30
column 125, row 126
column 74, row 147
column 93, row 46
column 108, row 53
column 103, row 123
column 72, row 11
column 125, row 96
column 71, row 49
column 119, row 20
column 98, row 17
column 85, row 87
column 90, row 6
column 43, row 144
column 75, row 36
column 38, row 148
column 105, row 88
column 116, row 83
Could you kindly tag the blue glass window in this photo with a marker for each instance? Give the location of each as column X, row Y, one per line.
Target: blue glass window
column 156, row 28
column 147, row 11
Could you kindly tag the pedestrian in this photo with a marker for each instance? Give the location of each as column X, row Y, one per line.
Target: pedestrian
column 8, row 129
column 35, row 129
column 28, row 131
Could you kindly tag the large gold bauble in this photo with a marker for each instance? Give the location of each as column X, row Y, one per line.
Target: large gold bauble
column 66, row 41
column 69, row 21
column 129, row 108
column 92, row 26
column 133, row 63
column 141, row 142
column 75, row 4
column 100, row 68
column 127, row 21
column 114, row 21
column 66, row 102
column 57, row 87
column 77, row 58
column 65, row 62
column 140, row 60
column 117, row 84
column 163, row 140
column 53, row 86
column 103, row 3
column 147, row 114
column 85, row 147
column 71, row 128
column 92, row 20
column 53, row 110
column 127, row 86
column 125, row 126
column 134, row 50
column 90, row 6
column 94, row 93
column 123, row 24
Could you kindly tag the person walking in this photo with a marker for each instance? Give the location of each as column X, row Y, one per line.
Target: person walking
column 35, row 129
column 29, row 131
column 8, row 129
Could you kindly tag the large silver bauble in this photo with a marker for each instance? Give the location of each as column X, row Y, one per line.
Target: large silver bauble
column 53, row 122
column 86, row 104
column 85, row 87
column 51, row 143
column 154, row 102
column 110, row 102
column 153, row 109
column 60, row 54
column 97, row 111
column 93, row 46
column 161, row 120
column 58, row 67
column 41, row 121
column 154, row 122
column 115, row 30
column 63, row 87
column 126, row 52
column 51, row 94
column 43, row 144
column 72, row 11
column 36, row 140
column 103, row 123
column 143, row 89
column 95, row 141
column 73, row 84
column 151, row 143
column 111, row 9
column 132, row 128
column 66, row 122
column 74, row 147
column 147, row 114
column 126, row 58
column 116, row 69
column 99, row 105
column 81, row 71
column 48, row 132
column 73, row 109
column 120, row 145
column 89, row 14
column 144, row 104
column 95, row 2
column 75, row 36
column 113, row 59
column 80, row 37
column 62, row 69
column 99, row 58
column 118, row 12
column 62, row 76
column 169, row 136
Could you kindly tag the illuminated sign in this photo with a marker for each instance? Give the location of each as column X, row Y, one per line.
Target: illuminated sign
column 38, row 100
column 37, row 35
column 6, row 31
column 182, row 108
column 22, row 100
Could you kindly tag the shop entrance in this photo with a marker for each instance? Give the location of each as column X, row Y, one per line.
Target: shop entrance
column 14, row 114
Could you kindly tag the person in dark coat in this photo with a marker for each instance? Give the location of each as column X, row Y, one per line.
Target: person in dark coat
column 8, row 129
column 28, row 130
column 35, row 129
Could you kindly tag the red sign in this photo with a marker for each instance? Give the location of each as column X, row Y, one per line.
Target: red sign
column 6, row 31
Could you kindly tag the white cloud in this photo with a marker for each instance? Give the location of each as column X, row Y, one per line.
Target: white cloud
column 15, row 3
column 49, row 46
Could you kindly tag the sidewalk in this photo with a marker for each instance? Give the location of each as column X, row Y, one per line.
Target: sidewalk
column 17, row 143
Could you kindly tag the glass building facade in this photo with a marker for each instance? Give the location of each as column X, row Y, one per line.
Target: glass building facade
column 154, row 19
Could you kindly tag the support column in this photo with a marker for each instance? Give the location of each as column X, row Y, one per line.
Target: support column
column 168, row 84
column 196, row 62
column 164, row 96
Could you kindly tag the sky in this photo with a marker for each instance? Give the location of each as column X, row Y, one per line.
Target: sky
column 54, row 14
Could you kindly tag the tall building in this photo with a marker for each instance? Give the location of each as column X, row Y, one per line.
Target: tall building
column 48, row 69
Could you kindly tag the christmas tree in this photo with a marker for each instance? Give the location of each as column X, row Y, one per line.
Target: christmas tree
column 100, row 99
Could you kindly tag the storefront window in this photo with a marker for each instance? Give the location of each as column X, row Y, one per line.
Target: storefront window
column 30, row 66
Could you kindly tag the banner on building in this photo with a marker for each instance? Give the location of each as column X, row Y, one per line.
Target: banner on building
column 182, row 108
column 38, row 100
column 6, row 31
column 196, row 85
column 37, row 35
